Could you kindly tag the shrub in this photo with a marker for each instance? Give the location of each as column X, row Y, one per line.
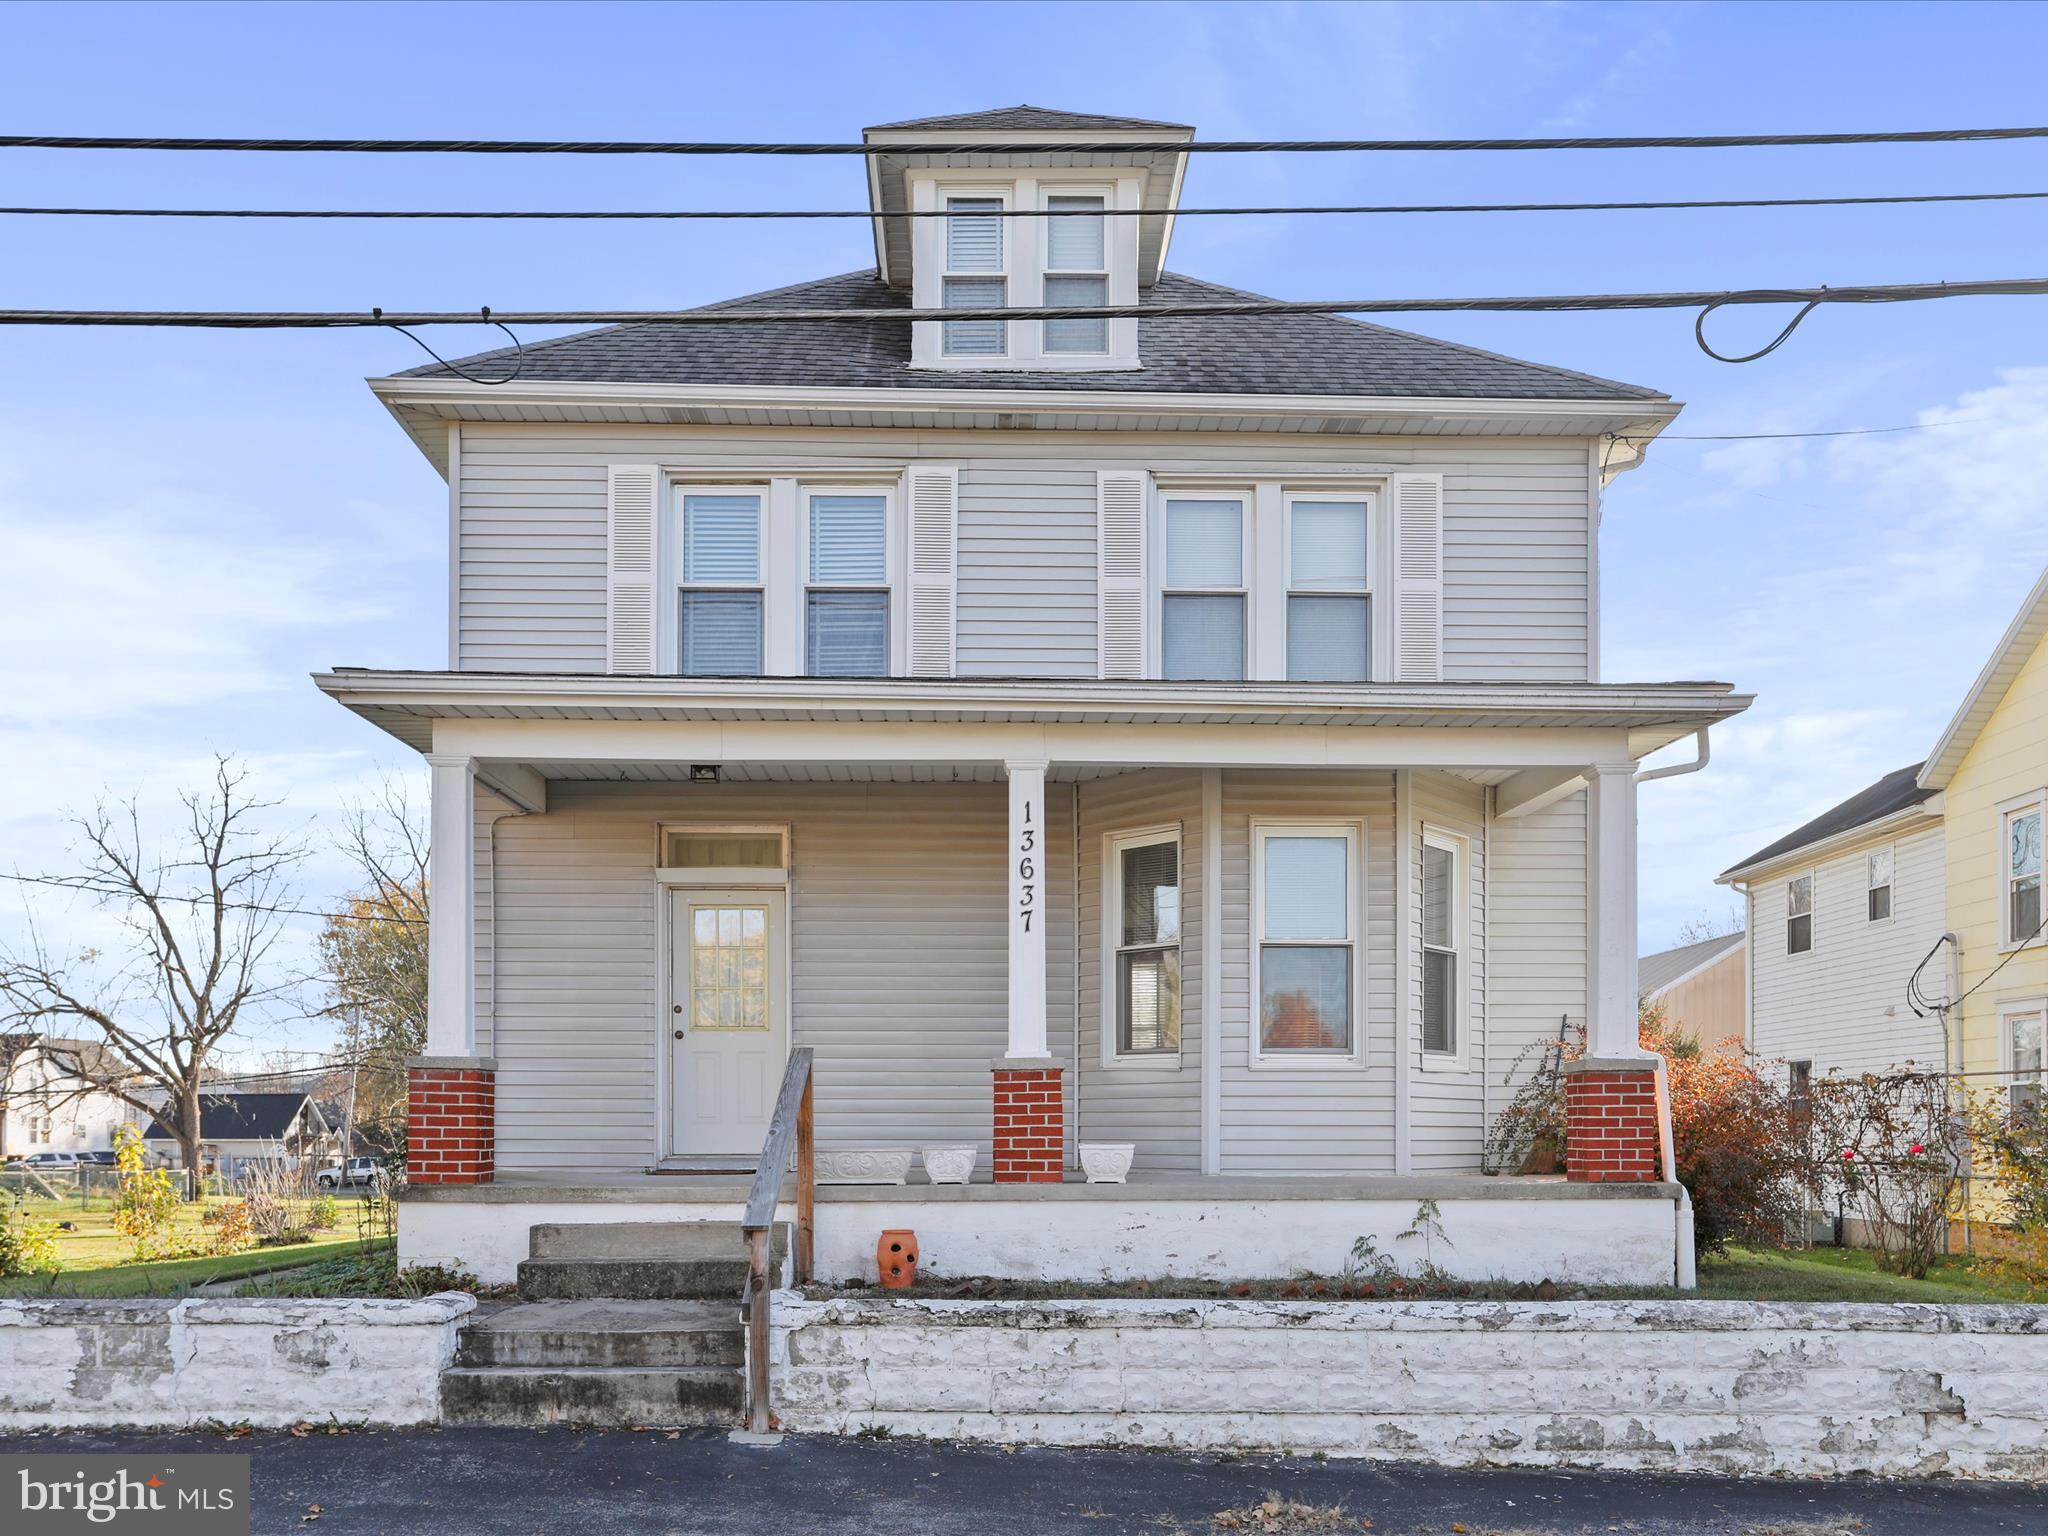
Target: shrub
column 1896, row 1145
column 146, row 1209
column 324, row 1214
column 228, row 1227
column 2011, row 1145
column 28, row 1243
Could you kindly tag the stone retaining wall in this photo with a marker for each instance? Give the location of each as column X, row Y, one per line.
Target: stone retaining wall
column 1696, row 1386
column 169, row 1364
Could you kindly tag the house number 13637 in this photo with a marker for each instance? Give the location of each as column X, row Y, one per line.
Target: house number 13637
column 1027, row 869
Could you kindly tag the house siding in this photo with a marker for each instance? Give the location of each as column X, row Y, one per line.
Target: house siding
column 1842, row 1005
column 530, row 580
column 1707, row 1007
column 1538, row 929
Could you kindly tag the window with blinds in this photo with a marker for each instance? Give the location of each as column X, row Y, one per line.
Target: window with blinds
column 718, row 600
column 1145, row 903
column 1202, row 601
column 1076, row 271
column 846, row 598
column 1329, row 602
column 974, row 279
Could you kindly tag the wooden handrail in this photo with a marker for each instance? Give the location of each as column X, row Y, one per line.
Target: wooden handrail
column 790, row 1128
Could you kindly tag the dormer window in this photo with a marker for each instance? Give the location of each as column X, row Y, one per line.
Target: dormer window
column 975, row 275
column 1076, row 271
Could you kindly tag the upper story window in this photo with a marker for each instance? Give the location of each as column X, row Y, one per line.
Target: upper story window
column 1305, row 927
column 2021, row 857
column 1144, row 921
column 1076, row 271
column 1329, row 591
column 718, row 597
column 1202, row 604
column 1878, row 886
column 1799, row 915
column 975, row 277
column 847, row 596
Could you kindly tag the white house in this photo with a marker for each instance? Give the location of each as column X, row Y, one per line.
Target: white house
column 49, row 1101
column 240, row 1129
column 1181, row 731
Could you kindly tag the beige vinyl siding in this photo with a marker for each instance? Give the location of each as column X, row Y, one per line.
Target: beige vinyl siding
column 1446, row 1105
column 1320, row 1118
column 1842, row 1005
column 1155, row 1104
column 1537, row 934
column 1708, row 1007
column 897, row 949
column 530, row 584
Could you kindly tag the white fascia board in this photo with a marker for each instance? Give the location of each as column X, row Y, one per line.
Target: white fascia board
column 1914, row 818
column 2027, row 630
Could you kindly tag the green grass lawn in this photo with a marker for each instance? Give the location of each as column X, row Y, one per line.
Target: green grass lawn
column 1848, row 1274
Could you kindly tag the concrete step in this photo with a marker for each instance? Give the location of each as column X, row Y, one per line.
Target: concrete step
column 632, row 1279
column 649, row 1240
column 614, row 1398
column 580, row 1334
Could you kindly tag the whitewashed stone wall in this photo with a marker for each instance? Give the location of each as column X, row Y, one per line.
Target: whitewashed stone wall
column 166, row 1364
column 1696, row 1386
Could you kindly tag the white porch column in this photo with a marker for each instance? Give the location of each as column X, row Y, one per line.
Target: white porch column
column 1611, row 1000
column 1028, row 911
column 451, row 918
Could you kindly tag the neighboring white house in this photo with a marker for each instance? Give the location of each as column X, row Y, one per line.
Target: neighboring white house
column 238, row 1129
column 1701, row 987
column 1842, row 912
column 1183, row 731
column 48, row 1098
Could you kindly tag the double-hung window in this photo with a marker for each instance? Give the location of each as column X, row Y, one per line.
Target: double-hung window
column 1444, row 921
column 975, row 276
column 1878, row 886
column 2026, row 1054
column 1329, row 601
column 1076, row 271
column 1202, row 604
column 1144, row 913
column 2021, row 858
column 1305, row 922
column 718, row 600
column 846, row 597
column 1799, row 915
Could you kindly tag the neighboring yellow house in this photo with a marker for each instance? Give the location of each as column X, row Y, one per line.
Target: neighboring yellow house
column 1991, row 768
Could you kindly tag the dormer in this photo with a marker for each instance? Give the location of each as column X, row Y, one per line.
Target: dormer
column 1050, row 223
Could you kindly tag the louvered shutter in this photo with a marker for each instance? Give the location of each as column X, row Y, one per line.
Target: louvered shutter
column 934, row 495
column 1418, row 508
column 1120, row 572
column 629, row 566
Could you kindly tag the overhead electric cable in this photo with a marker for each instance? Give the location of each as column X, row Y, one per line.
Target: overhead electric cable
column 1001, row 145
column 1021, row 213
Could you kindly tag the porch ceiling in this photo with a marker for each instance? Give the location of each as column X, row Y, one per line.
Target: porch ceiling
column 814, row 773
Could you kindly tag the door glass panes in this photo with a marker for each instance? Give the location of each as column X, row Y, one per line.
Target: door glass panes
column 729, row 967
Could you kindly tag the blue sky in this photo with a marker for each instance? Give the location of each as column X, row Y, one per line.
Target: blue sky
column 195, row 521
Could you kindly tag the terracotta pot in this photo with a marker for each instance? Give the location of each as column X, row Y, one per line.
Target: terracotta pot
column 896, row 1258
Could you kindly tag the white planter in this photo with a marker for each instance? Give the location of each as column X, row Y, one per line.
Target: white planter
column 949, row 1165
column 880, row 1165
column 1107, row 1162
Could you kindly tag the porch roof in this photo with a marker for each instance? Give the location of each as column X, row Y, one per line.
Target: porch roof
column 408, row 703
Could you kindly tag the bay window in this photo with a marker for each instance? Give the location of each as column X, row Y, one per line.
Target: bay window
column 1144, row 917
column 1076, row 271
column 1305, row 930
column 1444, row 924
column 975, row 276
column 2021, row 857
column 846, row 596
column 1799, row 915
column 1202, row 604
column 718, row 595
column 1329, row 603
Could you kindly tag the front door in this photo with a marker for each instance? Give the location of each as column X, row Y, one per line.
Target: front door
column 729, row 1020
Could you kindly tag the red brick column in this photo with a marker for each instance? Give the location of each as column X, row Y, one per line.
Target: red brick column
column 451, row 1120
column 1613, row 1123
column 1030, row 1126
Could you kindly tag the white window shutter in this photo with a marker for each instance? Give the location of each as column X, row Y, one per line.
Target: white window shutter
column 1418, row 506
column 934, row 497
column 629, row 568
column 1120, row 572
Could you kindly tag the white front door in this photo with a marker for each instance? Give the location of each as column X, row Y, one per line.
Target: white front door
column 728, row 1018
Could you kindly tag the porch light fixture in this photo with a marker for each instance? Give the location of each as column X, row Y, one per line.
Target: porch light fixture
column 703, row 773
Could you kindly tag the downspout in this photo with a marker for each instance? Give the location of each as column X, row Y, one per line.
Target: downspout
column 1075, row 975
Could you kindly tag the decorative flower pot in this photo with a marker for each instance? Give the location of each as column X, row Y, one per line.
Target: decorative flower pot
column 896, row 1259
column 876, row 1165
column 949, row 1165
column 1107, row 1162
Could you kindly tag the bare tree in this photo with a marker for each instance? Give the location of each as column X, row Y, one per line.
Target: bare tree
column 1707, row 926
column 199, row 928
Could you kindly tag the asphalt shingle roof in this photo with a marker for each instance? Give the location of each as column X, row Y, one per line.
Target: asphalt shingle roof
column 1261, row 354
column 1894, row 792
column 1656, row 972
column 240, row 1116
column 1025, row 116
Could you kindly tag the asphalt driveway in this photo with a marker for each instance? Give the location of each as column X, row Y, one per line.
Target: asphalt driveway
column 568, row 1483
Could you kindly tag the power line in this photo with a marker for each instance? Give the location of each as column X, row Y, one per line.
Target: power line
column 1021, row 213
column 1756, row 437
column 1706, row 299
column 1001, row 146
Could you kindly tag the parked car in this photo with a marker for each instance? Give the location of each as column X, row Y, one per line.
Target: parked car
column 44, row 1161
column 101, row 1158
column 357, row 1172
